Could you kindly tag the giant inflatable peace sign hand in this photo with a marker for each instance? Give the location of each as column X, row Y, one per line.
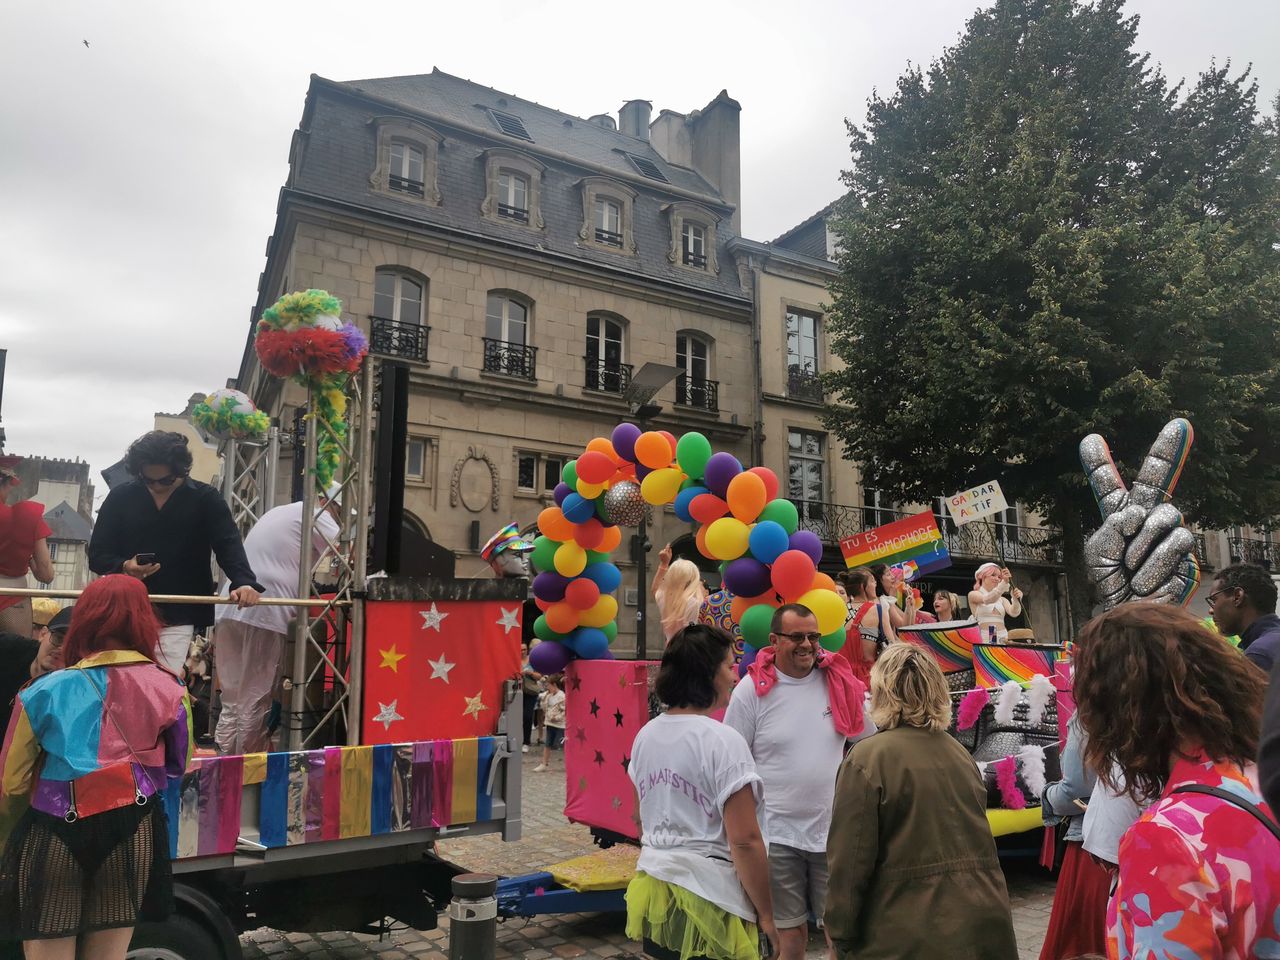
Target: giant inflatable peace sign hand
column 1142, row 551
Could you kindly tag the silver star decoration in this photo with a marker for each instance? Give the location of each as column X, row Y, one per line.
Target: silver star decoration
column 508, row 621
column 431, row 619
column 440, row 668
column 387, row 715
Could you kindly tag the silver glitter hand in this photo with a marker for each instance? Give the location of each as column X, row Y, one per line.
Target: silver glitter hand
column 1142, row 551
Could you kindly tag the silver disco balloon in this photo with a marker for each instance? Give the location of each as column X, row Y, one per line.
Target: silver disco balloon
column 623, row 504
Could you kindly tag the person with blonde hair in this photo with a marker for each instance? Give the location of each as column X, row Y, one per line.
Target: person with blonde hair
column 679, row 591
column 911, row 858
column 989, row 604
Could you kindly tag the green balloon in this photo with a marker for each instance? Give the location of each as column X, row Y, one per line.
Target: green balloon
column 569, row 474
column 610, row 630
column 544, row 554
column 544, row 632
column 595, row 556
column 693, row 450
column 834, row 641
column 783, row 513
column 755, row 624
column 688, row 482
column 601, row 512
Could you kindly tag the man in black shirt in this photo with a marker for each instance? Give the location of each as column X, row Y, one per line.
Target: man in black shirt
column 161, row 527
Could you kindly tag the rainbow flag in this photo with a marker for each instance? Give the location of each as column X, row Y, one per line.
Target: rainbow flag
column 915, row 539
column 994, row 663
column 951, row 642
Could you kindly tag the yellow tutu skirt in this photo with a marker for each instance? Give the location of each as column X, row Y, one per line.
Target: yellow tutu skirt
column 684, row 923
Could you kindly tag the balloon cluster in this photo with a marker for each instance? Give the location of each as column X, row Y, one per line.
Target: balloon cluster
column 230, row 414
column 765, row 559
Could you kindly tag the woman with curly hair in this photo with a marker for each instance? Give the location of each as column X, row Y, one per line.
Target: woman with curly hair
column 1176, row 713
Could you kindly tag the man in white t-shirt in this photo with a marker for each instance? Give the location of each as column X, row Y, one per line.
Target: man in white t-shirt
column 249, row 641
column 790, row 719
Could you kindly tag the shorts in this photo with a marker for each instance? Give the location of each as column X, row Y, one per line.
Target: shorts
column 555, row 737
column 798, row 880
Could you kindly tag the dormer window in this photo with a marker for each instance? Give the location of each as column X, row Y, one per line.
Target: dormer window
column 513, row 188
column 513, row 196
column 406, row 159
column 606, row 214
column 608, row 223
column 694, row 245
column 693, row 236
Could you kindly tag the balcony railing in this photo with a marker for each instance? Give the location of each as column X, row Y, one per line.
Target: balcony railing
column 395, row 338
column 513, row 359
column 607, row 376
column 1040, row 546
column 1202, row 552
column 702, row 394
column 405, row 185
column 692, row 259
column 1252, row 550
column 611, row 237
column 803, row 384
column 509, row 212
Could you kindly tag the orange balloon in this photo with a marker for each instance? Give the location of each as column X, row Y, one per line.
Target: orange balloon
column 746, row 496
column 653, row 450
column 602, row 445
column 553, row 524
column 611, row 540
column 822, row 581
column 562, row 617
column 700, row 538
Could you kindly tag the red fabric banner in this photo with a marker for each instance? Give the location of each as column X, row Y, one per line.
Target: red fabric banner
column 434, row 670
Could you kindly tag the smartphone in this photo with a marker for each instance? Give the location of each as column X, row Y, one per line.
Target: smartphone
column 145, row 559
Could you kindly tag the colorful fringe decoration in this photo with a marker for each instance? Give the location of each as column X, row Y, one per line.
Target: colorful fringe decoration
column 994, row 663
column 1010, row 694
column 1011, row 797
column 971, row 708
column 1039, row 693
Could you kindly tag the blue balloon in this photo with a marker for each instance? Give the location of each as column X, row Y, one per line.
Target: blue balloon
column 768, row 541
column 590, row 643
column 683, row 499
column 578, row 509
column 604, row 575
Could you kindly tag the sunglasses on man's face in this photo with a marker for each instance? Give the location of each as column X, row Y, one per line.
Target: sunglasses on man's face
column 166, row 481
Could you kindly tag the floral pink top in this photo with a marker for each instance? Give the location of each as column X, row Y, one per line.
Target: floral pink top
column 1199, row 877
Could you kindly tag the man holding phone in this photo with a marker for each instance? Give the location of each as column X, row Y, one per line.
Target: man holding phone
column 161, row 527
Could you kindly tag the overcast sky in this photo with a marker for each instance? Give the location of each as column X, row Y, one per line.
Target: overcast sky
column 139, row 174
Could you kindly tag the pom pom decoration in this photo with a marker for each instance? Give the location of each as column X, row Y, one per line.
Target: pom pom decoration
column 971, row 708
column 302, row 337
column 230, row 415
column 1031, row 760
column 1010, row 694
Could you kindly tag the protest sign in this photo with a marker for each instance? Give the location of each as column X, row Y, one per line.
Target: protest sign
column 976, row 503
column 915, row 538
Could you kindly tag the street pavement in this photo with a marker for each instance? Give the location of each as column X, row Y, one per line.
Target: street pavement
column 548, row 839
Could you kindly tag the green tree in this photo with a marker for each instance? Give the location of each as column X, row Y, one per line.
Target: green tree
column 1041, row 240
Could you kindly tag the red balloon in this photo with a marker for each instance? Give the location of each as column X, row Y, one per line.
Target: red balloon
column 707, row 508
column 588, row 534
column 770, row 482
column 792, row 574
column 595, row 467
column 671, row 439
column 582, row 594
column 543, row 604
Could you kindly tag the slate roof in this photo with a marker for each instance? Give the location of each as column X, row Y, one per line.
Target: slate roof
column 339, row 155
column 67, row 524
column 810, row 235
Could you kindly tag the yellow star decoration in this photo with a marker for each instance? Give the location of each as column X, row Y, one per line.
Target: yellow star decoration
column 474, row 705
column 390, row 658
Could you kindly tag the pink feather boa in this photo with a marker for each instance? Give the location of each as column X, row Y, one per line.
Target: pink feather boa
column 971, row 708
column 1007, row 780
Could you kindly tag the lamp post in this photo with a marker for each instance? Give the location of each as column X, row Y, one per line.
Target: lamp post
column 651, row 378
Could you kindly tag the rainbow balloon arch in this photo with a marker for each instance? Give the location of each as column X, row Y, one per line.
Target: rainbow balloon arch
column 765, row 559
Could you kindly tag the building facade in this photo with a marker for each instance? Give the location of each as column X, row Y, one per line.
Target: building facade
column 63, row 488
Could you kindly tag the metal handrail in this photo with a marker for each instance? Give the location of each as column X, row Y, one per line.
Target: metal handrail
column 179, row 598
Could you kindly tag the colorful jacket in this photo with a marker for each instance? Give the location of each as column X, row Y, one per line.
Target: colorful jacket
column 96, row 736
column 1199, row 877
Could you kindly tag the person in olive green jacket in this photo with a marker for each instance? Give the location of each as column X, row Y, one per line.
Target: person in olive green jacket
column 913, row 865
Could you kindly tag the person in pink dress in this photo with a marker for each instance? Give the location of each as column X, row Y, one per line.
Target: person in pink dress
column 1173, row 713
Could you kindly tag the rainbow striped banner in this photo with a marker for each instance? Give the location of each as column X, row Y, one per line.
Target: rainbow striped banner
column 915, row 538
column 330, row 794
column 995, row 664
column 950, row 642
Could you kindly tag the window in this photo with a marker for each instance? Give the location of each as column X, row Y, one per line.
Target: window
column 406, row 168
column 877, row 508
column 606, row 214
column 537, row 472
column 695, row 245
column 608, row 223
column 693, row 236
column 513, row 196
column 802, row 356
column 53, row 550
column 506, row 335
column 415, row 459
column 691, row 356
column 694, row 388
column 406, row 160
column 605, row 369
column 806, row 466
column 396, row 328
column 1006, row 530
column 511, row 125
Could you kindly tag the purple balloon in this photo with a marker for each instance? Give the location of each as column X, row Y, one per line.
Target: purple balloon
column 624, row 439
column 561, row 491
column 808, row 542
column 721, row 468
column 549, row 587
column 550, row 657
column 748, row 658
column 642, row 471
column 746, row 577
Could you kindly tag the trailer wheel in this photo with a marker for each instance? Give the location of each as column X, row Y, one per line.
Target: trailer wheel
column 178, row 938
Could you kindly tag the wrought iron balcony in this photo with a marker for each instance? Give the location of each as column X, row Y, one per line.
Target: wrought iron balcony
column 1037, row 546
column 607, row 376
column 405, row 185
column 803, row 383
column 692, row 259
column 395, row 338
column 1202, row 552
column 1252, row 550
column 513, row 359
column 611, row 237
column 702, row 394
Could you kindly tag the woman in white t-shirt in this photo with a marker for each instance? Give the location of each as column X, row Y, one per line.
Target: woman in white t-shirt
column 701, row 887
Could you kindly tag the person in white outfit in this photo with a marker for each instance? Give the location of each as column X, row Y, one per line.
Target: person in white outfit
column 249, row 642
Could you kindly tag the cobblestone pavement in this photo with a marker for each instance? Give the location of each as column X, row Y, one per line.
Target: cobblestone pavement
column 549, row 838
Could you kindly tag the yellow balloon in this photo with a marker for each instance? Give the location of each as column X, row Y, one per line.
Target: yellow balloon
column 661, row 486
column 589, row 491
column 727, row 538
column 570, row 559
column 604, row 612
column 827, row 607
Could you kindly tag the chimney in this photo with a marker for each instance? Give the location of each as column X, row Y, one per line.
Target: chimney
column 717, row 150
column 603, row 120
column 633, row 119
column 670, row 136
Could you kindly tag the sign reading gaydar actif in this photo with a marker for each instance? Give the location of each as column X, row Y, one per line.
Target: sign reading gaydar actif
column 976, row 503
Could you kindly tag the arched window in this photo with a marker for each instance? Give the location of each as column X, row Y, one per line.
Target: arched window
column 506, row 337
column 399, row 304
column 606, row 350
column 694, row 386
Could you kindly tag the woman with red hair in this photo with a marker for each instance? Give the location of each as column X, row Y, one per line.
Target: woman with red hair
column 92, row 746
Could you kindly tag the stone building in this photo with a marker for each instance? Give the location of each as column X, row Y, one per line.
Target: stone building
column 63, row 488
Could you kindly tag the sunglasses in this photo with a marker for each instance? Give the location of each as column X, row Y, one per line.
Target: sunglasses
column 165, row 481
column 801, row 637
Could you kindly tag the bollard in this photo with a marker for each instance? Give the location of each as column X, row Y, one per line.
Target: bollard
column 473, row 917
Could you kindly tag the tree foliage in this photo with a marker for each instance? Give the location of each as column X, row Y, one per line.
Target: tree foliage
column 1043, row 239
